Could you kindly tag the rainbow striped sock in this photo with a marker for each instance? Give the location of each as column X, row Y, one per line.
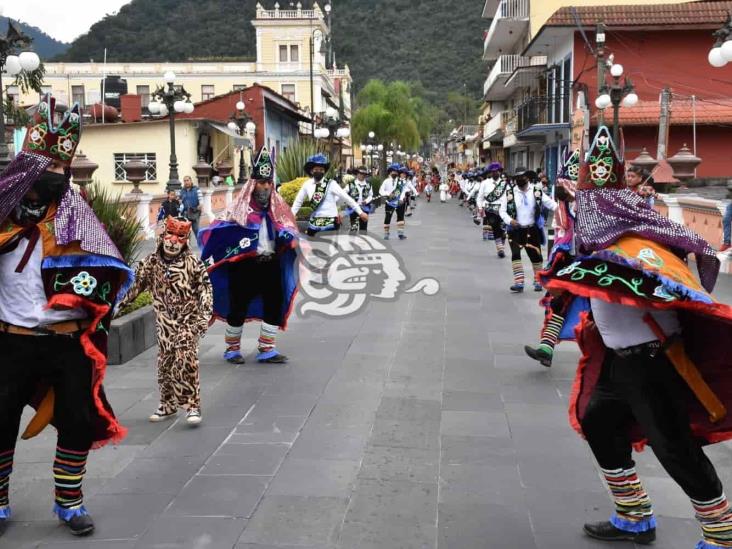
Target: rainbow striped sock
column 232, row 337
column 633, row 510
column 267, row 337
column 6, row 467
column 550, row 333
column 715, row 518
column 518, row 272
column 500, row 245
column 487, row 232
column 400, row 227
column 68, row 471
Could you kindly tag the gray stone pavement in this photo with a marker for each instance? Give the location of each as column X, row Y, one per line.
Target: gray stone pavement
column 415, row 424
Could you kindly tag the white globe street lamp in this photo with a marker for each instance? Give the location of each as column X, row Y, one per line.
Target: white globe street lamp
column 153, row 107
column 603, row 101
column 342, row 133
column 12, row 65
column 616, row 70
column 240, row 106
column 251, row 127
column 631, row 100
column 29, row 61
column 188, row 107
column 716, row 59
column 169, row 77
column 179, row 106
column 372, row 135
column 232, row 126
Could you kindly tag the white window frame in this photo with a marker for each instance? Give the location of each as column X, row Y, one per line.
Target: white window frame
column 204, row 96
column 294, row 92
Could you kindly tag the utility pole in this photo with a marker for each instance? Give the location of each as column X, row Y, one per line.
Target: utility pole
column 663, row 124
column 600, row 41
column 465, row 93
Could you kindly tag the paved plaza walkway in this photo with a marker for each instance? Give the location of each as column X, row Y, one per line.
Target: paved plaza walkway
column 417, row 424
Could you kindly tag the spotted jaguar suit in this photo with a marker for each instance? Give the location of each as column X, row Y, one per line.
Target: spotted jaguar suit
column 183, row 303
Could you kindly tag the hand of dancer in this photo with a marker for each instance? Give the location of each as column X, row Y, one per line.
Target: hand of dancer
column 363, row 216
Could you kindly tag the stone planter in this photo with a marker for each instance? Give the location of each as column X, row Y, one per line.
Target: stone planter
column 131, row 335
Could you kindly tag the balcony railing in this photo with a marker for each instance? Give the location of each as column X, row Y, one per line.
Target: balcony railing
column 507, row 27
column 542, row 110
column 496, row 125
column 286, row 14
column 502, row 68
column 513, row 9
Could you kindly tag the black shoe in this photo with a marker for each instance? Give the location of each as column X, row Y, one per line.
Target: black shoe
column 501, row 254
column 80, row 525
column 605, row 531
column 517, row 288
column 540, row 355
column 277, row 359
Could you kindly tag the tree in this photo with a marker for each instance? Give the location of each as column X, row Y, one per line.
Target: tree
column 392, row 113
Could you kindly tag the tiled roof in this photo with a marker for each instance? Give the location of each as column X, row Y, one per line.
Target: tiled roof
column 708, row 111
column 686, row 14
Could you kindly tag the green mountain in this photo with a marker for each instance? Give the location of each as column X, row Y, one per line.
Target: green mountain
column 436, row 42
column 45, row 46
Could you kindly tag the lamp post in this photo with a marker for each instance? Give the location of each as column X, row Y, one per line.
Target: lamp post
column 616, row 94
column 316, row 33
column 334, row 127
column 168, row 101
column 12, row 65
column 241, row 122
column 721, row 53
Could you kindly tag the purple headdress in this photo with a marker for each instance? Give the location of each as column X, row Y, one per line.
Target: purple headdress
column 607, row 211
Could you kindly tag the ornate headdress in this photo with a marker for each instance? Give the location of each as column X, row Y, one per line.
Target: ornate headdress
column 603, row 167
column 44, row 138
column 180, row 228
column 263, row 169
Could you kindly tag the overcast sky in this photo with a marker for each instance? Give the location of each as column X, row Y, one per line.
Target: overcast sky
column 62, row 20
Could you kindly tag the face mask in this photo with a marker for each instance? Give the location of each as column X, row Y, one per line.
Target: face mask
column 318, row 176
column 50, row 187
column 30, row 212
column 261, row 197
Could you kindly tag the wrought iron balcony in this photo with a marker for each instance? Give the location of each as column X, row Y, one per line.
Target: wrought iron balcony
column 547, row 111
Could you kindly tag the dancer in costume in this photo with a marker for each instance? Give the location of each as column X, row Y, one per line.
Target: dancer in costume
column 362, row 192
column 183, row 301
column 251, row 261
column 407, row 177
column 488, row 201
column 444, row 188
column 654, row 368
column 428, row 190
column 521, row 210
column 394, row 190
column 60, row 278
column 323, row 196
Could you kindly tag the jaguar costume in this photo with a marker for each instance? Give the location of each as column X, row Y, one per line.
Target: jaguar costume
column 183, row 303
column 60, row 278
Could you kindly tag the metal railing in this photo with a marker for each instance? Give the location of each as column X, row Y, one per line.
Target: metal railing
column 496, row 124
column 503, row 66
column 286, row 14
column 513, row 9
column 541, row 110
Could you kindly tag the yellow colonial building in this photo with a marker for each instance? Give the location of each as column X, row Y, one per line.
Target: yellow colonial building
column 284, row 63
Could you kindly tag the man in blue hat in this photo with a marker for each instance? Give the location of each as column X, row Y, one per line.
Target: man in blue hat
column 323, row 195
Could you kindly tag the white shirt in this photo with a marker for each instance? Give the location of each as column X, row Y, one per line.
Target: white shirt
column 22, row 297
column 487, row 186
column 265, row 246
column 410, row 187
column 329, row 205
column 525, row 206
column 365, row 191
column 621, row 326
column 388, row 187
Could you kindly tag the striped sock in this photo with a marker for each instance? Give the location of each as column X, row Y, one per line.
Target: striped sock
column 500, row 245
column 400, row 227
column 633, row 511
column 68, row 471
column 6, row 467
column 487, row 232
column 550, row 333
column 387, row 229
column 233, row 338
column 518, row 272
column 267, row 337
column 715, row 517
column 537, row 267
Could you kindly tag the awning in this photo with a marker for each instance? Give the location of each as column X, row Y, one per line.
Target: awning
column 238, row 139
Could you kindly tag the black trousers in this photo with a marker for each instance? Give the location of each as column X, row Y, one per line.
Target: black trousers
column 527, row 238
column 389, row 211
column 58, row 361
column 650, row 391
column 496, row 224
column 249, row 279
column 362, row 225
column 311, row 232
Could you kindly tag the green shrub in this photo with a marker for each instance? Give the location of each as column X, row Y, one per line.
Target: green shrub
column 142, row 300
column 288, row 191
column 304, row 213
column 118, row 218
column 291, row 162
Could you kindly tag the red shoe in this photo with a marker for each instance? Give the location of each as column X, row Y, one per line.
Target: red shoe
column 725, row 247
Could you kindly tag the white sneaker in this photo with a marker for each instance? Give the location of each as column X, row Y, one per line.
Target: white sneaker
column 160, row 415
column 194, row 417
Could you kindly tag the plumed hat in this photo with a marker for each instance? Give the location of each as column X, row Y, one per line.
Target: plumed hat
column 317, row 160
column 495, row 167
column 263, row 169
column 55, row 142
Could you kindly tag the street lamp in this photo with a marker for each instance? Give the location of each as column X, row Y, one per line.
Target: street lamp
column 322, row 50
column 12, row 65
column 721, row 53
column 616, row 94
column 242, row 123
column 171, row 100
